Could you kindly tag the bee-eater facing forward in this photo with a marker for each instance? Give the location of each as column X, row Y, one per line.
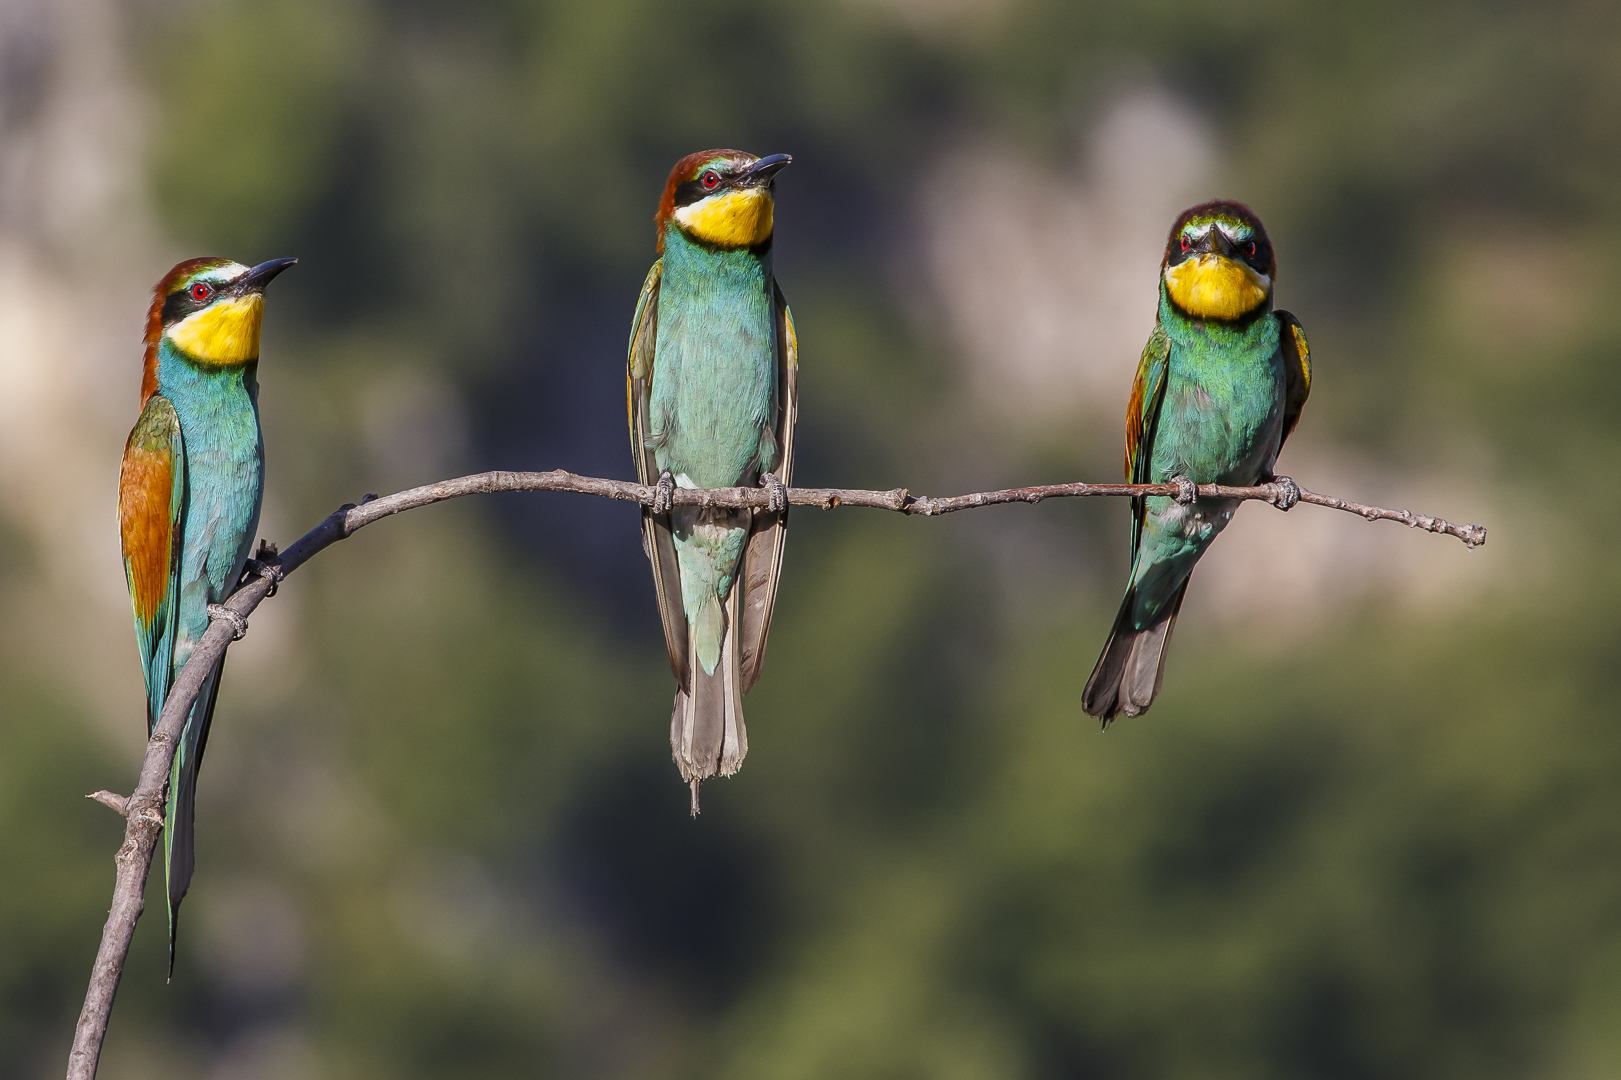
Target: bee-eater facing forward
column 189, row 494
column 712, row 387
column 1219, row 388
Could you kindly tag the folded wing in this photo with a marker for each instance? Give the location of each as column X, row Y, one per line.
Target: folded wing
column 1296, row 370
column 1142, row 417
column 151, row 506
column 655, row 527
column 762, row 560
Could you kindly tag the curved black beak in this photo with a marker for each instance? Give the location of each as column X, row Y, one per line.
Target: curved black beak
column 1219, row 242
column 763, row 170
column 256, row 279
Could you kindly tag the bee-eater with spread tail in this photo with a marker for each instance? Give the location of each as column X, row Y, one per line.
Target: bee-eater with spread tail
column 1219, row 388
column 712, row 387
column 189, row 494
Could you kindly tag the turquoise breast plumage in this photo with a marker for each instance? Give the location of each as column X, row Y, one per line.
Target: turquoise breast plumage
column 190, row 489
column 1219, row 388
column 712, row 387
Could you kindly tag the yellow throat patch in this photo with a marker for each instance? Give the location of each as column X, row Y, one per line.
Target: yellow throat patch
column 224, row 334
column 739, row 218
column 1215, row 287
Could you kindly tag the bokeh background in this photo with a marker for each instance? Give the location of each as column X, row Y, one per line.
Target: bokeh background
column 1372, row 828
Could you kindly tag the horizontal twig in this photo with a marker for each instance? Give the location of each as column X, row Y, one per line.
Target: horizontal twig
column 1472, row 535
column 143, row 810
column 897, row 499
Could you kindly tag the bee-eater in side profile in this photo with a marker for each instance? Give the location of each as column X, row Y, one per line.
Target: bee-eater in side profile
column 1219, row 388
column 189, row 494
column 712, row 388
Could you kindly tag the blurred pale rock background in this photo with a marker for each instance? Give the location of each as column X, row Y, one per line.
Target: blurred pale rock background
column 1368, row 831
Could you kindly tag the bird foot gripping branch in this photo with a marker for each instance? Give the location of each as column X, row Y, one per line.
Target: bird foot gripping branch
column 146, row 817
column 663, row 493
column 221, row 613
column 777, row 492
column 265, row 563
column 1213, row 404
column 716, row 287
column 1288, row 493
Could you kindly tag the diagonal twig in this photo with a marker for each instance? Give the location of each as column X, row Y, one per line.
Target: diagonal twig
column 143, row 810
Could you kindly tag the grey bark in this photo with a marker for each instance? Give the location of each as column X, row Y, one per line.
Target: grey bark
column 143, row 810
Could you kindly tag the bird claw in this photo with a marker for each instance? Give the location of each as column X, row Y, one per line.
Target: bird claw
column 777, row 493
column 664, row 493
column 1186, row 490
column 265, row 568
column 1287, row 493
column 221, row 613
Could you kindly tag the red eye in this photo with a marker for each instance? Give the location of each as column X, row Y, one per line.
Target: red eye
column 709, row 180
column 1251, row 249
column 1185, row 244
column 201, row 292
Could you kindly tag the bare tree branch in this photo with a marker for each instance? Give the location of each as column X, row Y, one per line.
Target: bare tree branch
column 143, row 810
column 898, row 499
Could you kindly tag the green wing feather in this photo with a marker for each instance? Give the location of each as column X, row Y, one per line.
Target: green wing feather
column 1296, row 370
column 1142, row 417
column 762, row 560
column 655, row 527
column 151, row 518
column 151, row 511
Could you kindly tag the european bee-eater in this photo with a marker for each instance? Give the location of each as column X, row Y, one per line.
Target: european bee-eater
column 1219, row 388
column 712, row 388
column 189, row 494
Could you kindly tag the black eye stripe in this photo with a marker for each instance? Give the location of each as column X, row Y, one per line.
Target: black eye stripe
column 180, row 303
column 1186, row 247
column 690, row 191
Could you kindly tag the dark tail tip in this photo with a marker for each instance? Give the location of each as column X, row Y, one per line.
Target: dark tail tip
column 174, row 936
column 1101, row 698
column 1132, row 666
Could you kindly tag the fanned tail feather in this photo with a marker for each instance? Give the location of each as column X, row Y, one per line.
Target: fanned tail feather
column 707, row 734
column 1131, row 669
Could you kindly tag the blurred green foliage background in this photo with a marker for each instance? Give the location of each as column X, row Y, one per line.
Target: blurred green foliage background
column 1369, row 830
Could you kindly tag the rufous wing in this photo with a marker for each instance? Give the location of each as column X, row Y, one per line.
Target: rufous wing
column 151, row 511
column 1142, row 418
